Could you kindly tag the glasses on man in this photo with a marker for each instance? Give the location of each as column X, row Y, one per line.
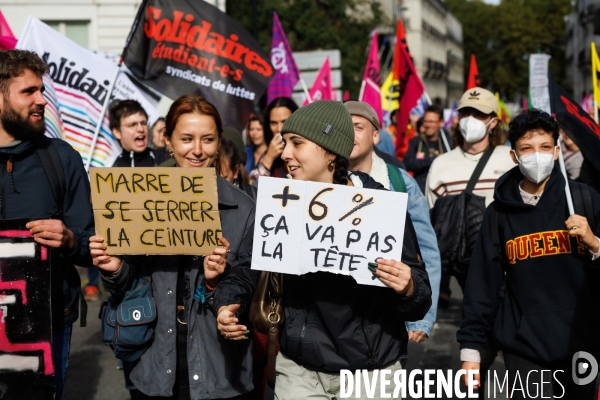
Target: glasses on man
column 133, row 125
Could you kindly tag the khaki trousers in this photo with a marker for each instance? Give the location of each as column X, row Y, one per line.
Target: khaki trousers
column 294, row 382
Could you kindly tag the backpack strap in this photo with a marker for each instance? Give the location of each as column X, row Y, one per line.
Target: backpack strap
column 497, row 222
column 582, row 202
column 56, row 176
column 479, row 169
column 54, row 171
column 396, row 178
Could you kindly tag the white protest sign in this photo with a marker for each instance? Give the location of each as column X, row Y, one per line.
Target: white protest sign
column 538, row 81
column 304, row 227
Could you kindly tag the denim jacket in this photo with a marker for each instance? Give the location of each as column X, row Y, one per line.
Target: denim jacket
column 419, row 214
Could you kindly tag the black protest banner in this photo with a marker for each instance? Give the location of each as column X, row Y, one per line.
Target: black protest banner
column 182, row 47
column 26, row 370
column 582, row 128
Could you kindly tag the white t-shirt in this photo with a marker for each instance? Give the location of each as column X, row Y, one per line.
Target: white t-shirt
column 450, row 173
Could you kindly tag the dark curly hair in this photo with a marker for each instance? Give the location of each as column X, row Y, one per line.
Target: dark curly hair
column 340, row 168
column 122, row 109
column 13, row 63
column 529, row 121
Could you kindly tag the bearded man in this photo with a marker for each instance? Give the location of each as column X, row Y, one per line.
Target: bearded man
column 27, row 193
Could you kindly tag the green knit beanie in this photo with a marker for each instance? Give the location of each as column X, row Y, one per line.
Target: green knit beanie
column 325, row 122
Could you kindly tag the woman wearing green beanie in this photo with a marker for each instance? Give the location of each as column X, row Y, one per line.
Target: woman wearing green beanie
column 331, row 322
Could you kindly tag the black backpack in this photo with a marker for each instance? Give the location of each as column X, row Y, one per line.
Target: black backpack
column 56, row 176
column 457, row 219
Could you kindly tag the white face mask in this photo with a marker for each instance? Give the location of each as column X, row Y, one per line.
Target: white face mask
column 537, row 166
column 472, row 129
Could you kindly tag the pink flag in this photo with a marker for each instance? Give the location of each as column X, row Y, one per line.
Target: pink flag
column 321, row 89
column 7, row 39
column 370, row 90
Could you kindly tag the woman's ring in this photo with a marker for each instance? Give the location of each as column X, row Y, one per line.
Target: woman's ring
column 573, row 228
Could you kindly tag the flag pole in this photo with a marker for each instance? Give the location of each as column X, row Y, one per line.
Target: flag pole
column 561, row 163
column 101, row 120
column 362, row 90
column 595, row 111
column 305, row 89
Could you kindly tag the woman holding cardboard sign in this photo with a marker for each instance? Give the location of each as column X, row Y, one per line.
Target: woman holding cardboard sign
column 331, row 322
column 199, row 351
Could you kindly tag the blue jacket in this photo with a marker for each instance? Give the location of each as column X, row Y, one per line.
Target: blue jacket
column 26, row 193
column 419, row 214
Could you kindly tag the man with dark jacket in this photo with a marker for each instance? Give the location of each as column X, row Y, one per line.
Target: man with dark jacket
column 424, row 148
column 128, row 121
column 26, row 193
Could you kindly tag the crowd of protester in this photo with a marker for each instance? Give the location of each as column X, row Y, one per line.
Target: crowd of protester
column 529, row 280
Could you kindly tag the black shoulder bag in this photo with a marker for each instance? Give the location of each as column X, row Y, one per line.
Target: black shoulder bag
column 457, row 219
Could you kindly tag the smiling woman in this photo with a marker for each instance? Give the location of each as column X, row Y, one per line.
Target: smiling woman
column 209, row 295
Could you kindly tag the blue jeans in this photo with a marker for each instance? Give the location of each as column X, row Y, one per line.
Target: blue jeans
column 61, row 346
column 93, row 276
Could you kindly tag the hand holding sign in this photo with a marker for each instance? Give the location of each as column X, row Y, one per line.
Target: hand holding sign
column 100, row 256
column 396, row 275
column 214, row 265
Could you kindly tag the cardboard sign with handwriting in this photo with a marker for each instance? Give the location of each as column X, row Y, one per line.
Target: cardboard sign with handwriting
column 304, row 227
column 156, row 210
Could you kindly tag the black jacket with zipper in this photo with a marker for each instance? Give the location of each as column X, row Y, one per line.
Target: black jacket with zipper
column 145, row 158
column 26, row 193
column 549, row 309
column 333, row 323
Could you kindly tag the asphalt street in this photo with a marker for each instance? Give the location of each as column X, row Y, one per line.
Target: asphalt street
column 93, row 373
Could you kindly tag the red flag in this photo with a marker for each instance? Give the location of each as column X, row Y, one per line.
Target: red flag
column 473, row 74
column 321, row 88
column 410, row 87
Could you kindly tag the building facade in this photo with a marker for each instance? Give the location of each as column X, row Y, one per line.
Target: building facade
column 101, row 25
column 583, row 28
column 434, row 37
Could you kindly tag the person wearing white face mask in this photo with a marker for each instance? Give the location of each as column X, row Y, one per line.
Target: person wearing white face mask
column 478, row 125
column 548, row 261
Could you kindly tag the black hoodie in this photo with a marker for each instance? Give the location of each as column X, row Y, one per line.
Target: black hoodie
column 550, row 308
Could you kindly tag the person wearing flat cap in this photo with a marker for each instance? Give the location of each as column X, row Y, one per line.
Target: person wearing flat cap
column 331, row 322
column 365, row 158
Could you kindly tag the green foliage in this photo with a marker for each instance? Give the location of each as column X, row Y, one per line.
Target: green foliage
column 318, row 25
column 503, row 36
